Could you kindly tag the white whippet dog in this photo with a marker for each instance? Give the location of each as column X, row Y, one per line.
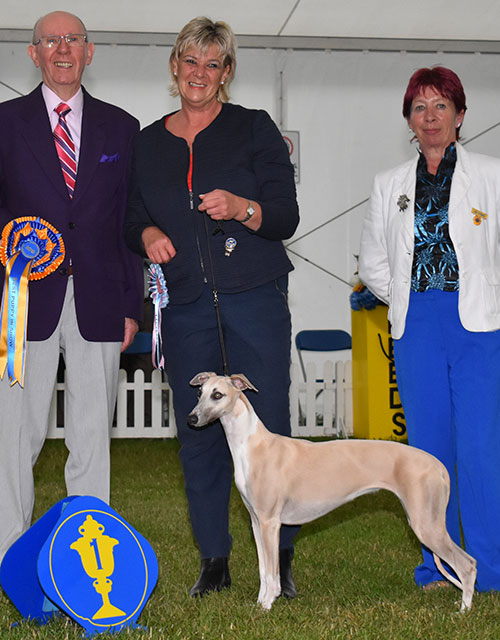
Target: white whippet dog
column 291, row 481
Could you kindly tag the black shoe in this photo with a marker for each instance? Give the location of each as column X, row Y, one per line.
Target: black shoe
column 214, row 576
column 288, row 588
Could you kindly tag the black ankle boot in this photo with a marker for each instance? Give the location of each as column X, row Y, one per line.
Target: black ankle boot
column 214, row 576
column 288, row 588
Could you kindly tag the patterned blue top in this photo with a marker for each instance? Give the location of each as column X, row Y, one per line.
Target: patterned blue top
column 435, row 263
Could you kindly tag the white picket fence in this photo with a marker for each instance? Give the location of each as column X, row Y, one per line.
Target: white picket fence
column 145, row 409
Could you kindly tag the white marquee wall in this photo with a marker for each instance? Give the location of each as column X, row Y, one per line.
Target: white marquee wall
column 347, row 107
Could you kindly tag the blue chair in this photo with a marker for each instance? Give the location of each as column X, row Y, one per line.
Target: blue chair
column 141, row 344
column 321, row 340
column 326, row 340
column 138, row 356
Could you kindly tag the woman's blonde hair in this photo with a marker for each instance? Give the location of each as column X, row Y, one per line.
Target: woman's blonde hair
column 201, row 33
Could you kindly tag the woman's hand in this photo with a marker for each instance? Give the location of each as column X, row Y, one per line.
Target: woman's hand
column 223, row 205
column 158, row 246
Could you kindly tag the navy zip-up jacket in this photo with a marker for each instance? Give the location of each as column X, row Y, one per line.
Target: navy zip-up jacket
column 241, row 151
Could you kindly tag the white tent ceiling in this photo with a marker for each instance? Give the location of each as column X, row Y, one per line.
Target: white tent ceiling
column 438, row 25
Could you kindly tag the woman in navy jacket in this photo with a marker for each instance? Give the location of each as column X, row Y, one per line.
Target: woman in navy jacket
column 212, row 198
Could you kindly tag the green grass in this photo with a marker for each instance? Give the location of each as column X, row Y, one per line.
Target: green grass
column 353, row 568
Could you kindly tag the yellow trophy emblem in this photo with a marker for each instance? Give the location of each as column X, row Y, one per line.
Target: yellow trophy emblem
column 96, row 553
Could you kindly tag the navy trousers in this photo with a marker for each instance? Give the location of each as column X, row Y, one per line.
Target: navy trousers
column 449, row 383
column 257, row 333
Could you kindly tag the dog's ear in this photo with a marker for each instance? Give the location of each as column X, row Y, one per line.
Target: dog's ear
column 201, row 378
column 241, row 382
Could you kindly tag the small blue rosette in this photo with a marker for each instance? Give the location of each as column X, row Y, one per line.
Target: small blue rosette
column 362, row 298
column 159, row 295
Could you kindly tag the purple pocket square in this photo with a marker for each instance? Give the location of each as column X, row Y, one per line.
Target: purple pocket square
column 114, row 158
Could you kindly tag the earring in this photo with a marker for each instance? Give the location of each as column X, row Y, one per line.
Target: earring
column 222, row 82
column 175, row 74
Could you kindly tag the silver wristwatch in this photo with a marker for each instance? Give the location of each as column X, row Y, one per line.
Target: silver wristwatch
column 250, row 212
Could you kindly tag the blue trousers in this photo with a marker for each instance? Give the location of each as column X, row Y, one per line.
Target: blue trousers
column 449, row 383
column 257, row 333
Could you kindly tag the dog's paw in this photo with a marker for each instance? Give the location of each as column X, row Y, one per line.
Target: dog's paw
column 266, row 605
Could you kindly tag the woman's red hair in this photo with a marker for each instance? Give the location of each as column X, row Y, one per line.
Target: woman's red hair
column 443, row 80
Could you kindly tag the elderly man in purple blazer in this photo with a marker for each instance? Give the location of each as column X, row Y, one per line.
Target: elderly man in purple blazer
column 88, row 308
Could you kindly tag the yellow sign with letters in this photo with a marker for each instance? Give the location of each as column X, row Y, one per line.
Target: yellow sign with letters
column 377, row 408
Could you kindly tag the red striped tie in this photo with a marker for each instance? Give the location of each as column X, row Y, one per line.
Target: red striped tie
column 65, row 147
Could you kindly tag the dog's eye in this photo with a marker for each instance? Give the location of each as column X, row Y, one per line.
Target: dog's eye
column 217, row 395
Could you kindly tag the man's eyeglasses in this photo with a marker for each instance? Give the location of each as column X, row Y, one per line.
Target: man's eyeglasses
column 72, row 40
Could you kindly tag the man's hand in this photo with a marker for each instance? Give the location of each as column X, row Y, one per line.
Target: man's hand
column 131, row 328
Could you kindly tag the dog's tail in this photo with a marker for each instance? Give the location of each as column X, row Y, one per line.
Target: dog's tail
column 445, row 573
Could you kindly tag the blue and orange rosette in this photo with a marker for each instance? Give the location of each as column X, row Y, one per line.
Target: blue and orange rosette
column 30, row 249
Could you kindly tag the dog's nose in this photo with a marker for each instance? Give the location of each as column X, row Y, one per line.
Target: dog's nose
column 192, row 419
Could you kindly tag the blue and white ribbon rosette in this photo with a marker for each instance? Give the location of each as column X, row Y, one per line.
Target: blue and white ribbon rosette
column 159, row 295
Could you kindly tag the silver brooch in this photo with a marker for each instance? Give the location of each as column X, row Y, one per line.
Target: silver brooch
column 403, row 201
column 229, row 246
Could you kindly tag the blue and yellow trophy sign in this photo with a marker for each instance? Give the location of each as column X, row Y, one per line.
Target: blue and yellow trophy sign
column 30, row 249
column 95, row 567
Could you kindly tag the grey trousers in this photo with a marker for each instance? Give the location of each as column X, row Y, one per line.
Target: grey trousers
column 91, row 388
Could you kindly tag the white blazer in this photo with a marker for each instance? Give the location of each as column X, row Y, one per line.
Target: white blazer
column 387, row 240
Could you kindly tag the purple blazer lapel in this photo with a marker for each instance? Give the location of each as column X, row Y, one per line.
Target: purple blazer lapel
column 93, row 137
column 39, row 140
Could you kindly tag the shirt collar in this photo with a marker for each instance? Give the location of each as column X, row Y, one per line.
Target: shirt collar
column 52, row 100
